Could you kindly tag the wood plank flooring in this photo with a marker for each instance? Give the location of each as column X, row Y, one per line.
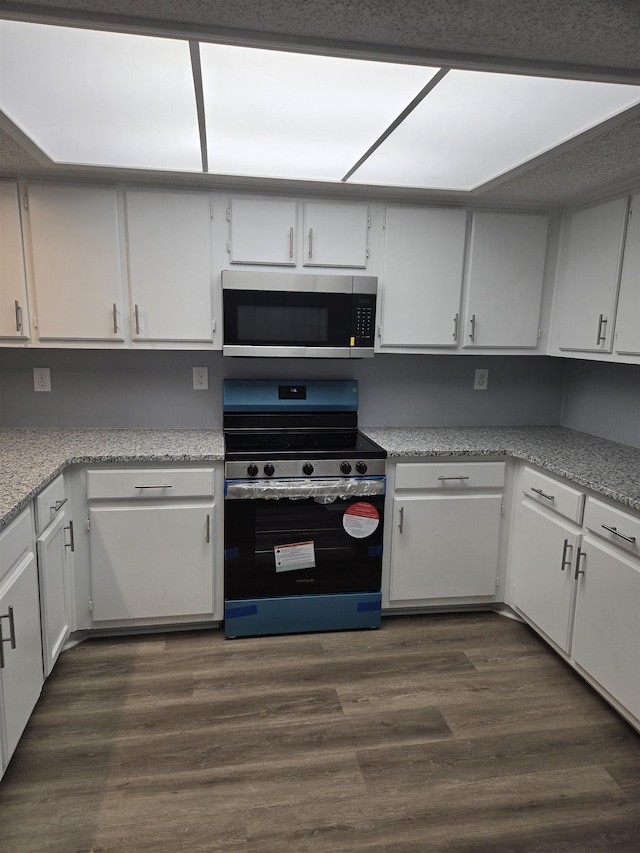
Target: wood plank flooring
column 457, row 733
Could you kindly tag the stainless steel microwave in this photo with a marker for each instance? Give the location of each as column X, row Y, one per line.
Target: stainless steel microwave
column 296, row 315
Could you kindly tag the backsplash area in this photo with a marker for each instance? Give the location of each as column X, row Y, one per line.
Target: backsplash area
column 154, row 389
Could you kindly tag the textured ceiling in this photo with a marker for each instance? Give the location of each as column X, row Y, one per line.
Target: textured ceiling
column 599, row 39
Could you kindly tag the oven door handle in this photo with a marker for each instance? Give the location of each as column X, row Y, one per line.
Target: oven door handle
column 299, row 489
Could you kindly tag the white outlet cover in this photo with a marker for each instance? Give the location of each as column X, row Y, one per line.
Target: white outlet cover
column 200, row 378
column 482, row 379
column 41, row 379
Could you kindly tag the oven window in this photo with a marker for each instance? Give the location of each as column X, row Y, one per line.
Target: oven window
column 269, row 318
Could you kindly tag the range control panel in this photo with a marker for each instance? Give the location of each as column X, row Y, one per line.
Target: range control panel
column 304, row 468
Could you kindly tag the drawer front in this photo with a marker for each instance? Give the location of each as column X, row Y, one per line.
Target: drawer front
column 49, row 502
column 616, row 526
column 450, row 475
column 563, row 499
column 150, row 483
column 15, row 539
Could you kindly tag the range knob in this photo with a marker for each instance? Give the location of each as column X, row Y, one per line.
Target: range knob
column 307, row 468
column 345, row 467
column 252, row 470
column 269, row 469
column 361, row 467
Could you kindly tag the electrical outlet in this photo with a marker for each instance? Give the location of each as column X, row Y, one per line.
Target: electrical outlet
column 482, row 379
column 200, row 378
column 41, row 379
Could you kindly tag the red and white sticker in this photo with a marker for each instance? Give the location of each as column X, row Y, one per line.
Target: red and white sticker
column 360, row 520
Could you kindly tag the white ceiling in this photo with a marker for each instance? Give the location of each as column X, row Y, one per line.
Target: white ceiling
column 529, row 41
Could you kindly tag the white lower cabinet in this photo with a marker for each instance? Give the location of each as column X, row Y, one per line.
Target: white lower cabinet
column 445, row 532
column 151, row 534
column 578, row 583
column 21, row 675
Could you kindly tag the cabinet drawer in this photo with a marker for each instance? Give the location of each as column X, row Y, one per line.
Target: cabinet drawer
column 49, row 502
column 617, row 527
column 450, row 475
column 548, row 492
column 15, row 539
column 150, row 483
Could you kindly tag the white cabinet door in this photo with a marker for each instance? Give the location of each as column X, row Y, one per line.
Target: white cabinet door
column 55, row 603
column 444, row 547
column 422, row 276
column 506, row 274
column 627, row 337
column 21, row 673
column 546, row 549
column 76, row 262
column 151, row 561
column 170, row 267
column 588, row 278
column 14, row 319
column 606, row 634
column 262, row 231
column 335, row 234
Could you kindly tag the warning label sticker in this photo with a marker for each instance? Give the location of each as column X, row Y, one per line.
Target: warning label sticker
column 360, row 520
column 299, row 555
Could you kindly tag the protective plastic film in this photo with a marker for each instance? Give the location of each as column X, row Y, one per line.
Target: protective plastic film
column 323, row 491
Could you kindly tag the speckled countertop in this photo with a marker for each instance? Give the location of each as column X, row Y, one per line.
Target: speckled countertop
column 29, row 459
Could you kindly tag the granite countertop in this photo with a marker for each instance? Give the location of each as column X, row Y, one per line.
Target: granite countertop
column 30, row 459
column 606, row 467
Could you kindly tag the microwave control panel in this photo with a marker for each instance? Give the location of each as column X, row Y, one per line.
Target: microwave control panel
column 364, row 319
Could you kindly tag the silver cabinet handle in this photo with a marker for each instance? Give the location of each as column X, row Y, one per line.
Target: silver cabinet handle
column 137, row 313
column 57, row 505
column 579, row 557
column 18, row 317
column 115, row 319
column 401, row 521
column 600, row 337
column 564, row 562
column 310, row 242
column 71, row 543
column 460, row 477
column 543, row 494
column 291, row 242
column 208, row 536
column 455, row 327
column 472, row 333
column 155, row 486
column 616, row 532
column 12, row 633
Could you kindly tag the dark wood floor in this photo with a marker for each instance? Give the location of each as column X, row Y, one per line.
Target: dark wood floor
column 436, row 733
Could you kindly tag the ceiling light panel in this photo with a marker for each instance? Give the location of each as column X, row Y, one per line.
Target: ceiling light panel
column 100, row 98
column 290, row 115
column 475, row 126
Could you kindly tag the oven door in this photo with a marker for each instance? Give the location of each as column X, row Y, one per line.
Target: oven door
column 302, row 537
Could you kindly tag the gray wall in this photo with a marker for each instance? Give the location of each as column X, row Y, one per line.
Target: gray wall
column 603, row 399
column 101, row 388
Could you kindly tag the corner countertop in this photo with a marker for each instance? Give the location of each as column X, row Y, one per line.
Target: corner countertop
column 31, row 458
column 606, row 467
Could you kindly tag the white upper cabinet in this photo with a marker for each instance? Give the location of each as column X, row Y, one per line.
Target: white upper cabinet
column 422, row 268
column 262, row 231
column 76, row 262
column 588, row 277
column 335, row 235
column 14, row 318
column 170, row 265
column 627, row 338
column 505, row 279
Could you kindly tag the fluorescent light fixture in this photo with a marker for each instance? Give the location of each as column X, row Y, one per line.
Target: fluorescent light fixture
column 475, row 126
column 291, row 115
column 111, row 99
column 101, row 98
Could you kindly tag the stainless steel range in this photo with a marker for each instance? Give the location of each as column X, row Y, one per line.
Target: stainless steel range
column 304, row 509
